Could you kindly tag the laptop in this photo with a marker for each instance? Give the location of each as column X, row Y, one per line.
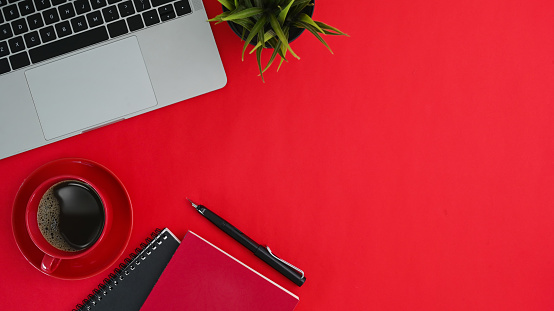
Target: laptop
column 71, row 66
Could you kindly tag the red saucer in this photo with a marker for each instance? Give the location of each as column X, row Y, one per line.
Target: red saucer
column 117, row 236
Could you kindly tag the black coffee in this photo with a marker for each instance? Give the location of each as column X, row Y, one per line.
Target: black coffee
column 71, row 216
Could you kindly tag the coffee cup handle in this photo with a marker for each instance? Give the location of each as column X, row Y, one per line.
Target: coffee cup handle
column 49, row 263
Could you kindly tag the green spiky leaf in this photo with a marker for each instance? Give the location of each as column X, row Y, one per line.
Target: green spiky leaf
column 245, row 23
column 258, row 27
column 331, row 30
column 279, row 31
column 276, row 50
column 284, row 13
column 267, row 36
column 243, row 14
column 230, row 5
column 303, row 17
column 259, row 58
column 314, row 31
column 299, row 6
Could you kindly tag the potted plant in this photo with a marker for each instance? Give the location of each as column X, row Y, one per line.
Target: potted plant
column 272, row 24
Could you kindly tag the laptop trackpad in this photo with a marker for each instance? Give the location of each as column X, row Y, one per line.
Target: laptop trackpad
column 90, row 88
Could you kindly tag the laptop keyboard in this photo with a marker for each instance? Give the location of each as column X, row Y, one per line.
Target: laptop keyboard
column 32, row 31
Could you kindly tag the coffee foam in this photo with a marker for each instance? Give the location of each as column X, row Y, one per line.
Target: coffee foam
column 48, row 218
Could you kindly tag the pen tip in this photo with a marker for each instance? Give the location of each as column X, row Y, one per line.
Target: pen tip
column 192, row 203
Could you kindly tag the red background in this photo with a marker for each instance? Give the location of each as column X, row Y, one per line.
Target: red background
column 411, row 170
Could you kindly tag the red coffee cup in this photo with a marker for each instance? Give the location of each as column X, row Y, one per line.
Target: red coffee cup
column 52, row 255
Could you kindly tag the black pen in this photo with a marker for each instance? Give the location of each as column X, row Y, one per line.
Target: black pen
column 264, row 253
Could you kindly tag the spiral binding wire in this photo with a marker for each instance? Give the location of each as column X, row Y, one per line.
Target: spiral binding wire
column 118, row 274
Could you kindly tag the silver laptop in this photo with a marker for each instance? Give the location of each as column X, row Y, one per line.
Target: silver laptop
column 71, row 66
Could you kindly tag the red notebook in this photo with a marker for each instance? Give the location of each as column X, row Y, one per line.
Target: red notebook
column 201, row 276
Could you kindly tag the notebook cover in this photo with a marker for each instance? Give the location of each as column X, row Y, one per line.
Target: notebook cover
column 127, row 289
column 201, row 276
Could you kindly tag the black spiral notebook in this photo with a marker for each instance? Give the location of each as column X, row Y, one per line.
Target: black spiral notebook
column 128, row 286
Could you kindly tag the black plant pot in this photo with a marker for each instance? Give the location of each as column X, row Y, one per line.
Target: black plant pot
column 293, row 32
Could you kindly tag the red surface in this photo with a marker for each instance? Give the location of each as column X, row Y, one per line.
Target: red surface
column 411, row 170
column 201, row 277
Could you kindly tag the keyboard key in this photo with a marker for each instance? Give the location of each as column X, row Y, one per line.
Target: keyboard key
column 135, row 23
column 56, row 2
column 160, row 2
column 142, row 5
column 10, row 12
column 4, row 49
column 63, row 29
column 1, row 18
column 4, row 65
column 68, row 44
column 5, row 31
column 35, row 21
column 182, row 8
column 126, row 8
column 42, row 4
column 3, row 2
column 94, row 19
column 117, row 29
column 47, row 34
column 82, row 6
column 151, row 17
column 19, row 26
column 16, row 44
column 96, row 4
column 110, row 14
column 51, row 16
column 114, row 1
column 79, row 23
column 32, row 39
column 66, row 11
column 19, row 60
column 166, row 12
column 26, row 7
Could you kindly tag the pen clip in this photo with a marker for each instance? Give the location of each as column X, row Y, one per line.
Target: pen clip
column 285, row 262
